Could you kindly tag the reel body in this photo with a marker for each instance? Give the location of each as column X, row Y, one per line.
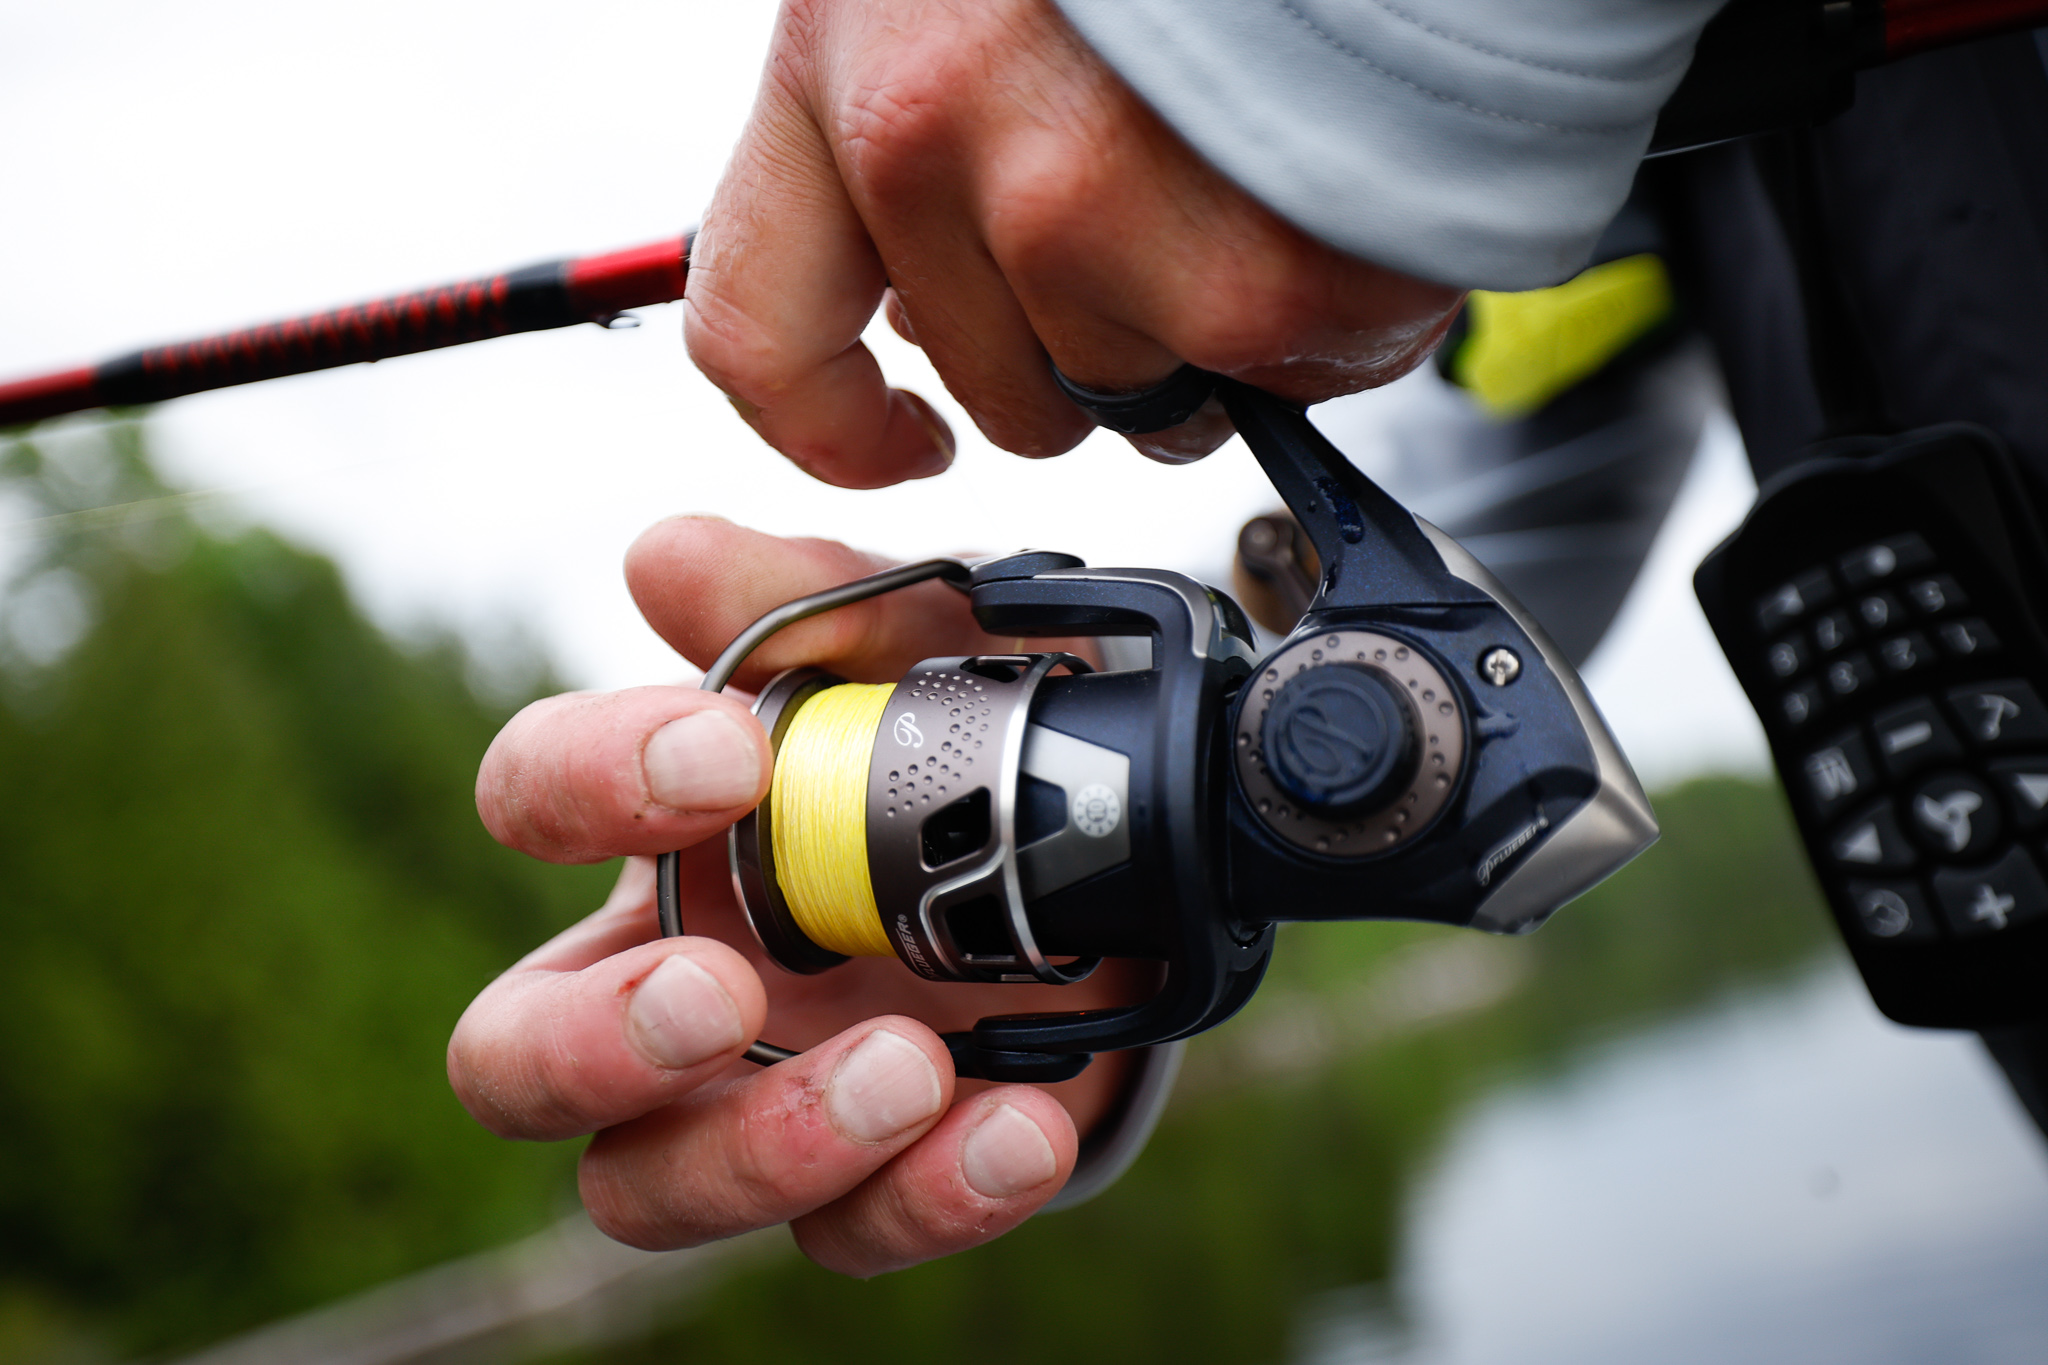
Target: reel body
column 1415, row 749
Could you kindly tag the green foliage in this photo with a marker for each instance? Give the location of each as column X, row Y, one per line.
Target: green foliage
column 244, row 895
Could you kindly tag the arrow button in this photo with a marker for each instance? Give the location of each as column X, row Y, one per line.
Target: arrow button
column 1872, row 841
column 2025, row 784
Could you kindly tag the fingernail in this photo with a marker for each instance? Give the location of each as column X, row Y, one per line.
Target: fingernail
column 935, row 427
column 747, row 411
column 882, row 1087
column 705, row 761
column 1007, row 1154
column 680, row 1016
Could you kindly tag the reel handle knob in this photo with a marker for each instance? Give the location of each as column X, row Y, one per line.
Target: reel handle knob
column 1341, row 740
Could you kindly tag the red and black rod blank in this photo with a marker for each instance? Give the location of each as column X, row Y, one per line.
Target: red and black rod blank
column 555, row 294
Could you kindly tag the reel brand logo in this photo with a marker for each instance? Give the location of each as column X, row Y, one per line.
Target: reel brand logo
column 911, row 952
column 1492, row 862
column 906, row 731
column 1097, row 811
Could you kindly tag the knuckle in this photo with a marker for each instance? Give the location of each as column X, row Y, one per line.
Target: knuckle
column 742, row 355
column 625, row 1209
column 506, row 1095
column 1245, row 326
column 892, row 132
column 1044, row 209
column 764, row 1185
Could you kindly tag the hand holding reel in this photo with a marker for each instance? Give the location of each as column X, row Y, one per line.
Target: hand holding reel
column 1416, row 749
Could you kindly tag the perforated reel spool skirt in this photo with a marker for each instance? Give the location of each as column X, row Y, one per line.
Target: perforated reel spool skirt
column 943, row 774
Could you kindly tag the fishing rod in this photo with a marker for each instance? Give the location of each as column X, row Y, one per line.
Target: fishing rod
column 598, row 289
column 1759, row 65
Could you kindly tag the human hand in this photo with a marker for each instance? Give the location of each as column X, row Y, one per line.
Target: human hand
column 977, row 166
column 865, row 1143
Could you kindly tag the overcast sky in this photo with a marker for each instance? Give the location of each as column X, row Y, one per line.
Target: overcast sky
column 174, row 169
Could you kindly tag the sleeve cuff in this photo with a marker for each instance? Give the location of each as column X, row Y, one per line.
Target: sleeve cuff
column 1476, row 143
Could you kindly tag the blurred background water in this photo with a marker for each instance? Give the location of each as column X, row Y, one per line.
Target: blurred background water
column 251, row 653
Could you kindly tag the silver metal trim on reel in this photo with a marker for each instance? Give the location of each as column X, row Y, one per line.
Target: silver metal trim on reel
column 954, row 729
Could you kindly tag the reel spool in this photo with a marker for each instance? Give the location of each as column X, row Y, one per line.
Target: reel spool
column 936, row 797
column 1416, row 749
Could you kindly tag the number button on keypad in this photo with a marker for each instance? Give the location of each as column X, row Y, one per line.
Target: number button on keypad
column 1879, row 611
column 1933, row 595
column 1833, row 631
column 1905, row 653
column 1786, row 657
column 1801, row 704
column 1850, row 674
column 1965, row 639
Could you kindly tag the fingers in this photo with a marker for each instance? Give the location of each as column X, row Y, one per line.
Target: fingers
column 1015, row 200
column 553, row 1054
column 699, row 581
column 771, row 1146
column 1064, row 218
column 782, row 280
column 990, row 1164
column 587, row 776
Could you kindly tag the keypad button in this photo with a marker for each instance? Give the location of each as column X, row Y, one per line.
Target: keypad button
column 1790, row 601
column 1832, row 631
column 1871, row 841
column 1999, row 715
column 1837, row 773
column 1879, row 611
column 1801, row 704
column 1850, row 674
column 1955, row 817
column 2007, row 893
column 2025, row 784
column 1966, row 638
column 1892, row 910
column 1913, row 736
column 1936, row 594
column 1905, row 653
column 1786, row 657
column 1874, row 563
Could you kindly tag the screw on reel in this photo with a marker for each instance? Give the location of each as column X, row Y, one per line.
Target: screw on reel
column 1415, row 749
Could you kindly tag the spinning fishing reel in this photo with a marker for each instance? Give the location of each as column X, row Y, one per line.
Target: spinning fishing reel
column 1415, row 749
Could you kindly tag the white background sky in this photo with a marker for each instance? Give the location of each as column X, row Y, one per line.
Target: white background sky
column 167, row 170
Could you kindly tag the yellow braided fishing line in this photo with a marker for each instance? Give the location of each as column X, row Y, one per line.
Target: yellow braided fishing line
column 819, row 808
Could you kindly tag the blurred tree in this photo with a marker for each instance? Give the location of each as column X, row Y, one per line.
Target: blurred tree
column 243, row 896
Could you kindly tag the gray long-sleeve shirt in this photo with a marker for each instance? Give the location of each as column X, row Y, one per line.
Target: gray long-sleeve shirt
column 1477, row 143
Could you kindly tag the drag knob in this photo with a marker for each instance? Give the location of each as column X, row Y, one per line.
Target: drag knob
column 1340, row 740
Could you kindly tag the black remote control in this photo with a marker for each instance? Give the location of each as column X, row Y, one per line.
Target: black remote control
column 1882, row 606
